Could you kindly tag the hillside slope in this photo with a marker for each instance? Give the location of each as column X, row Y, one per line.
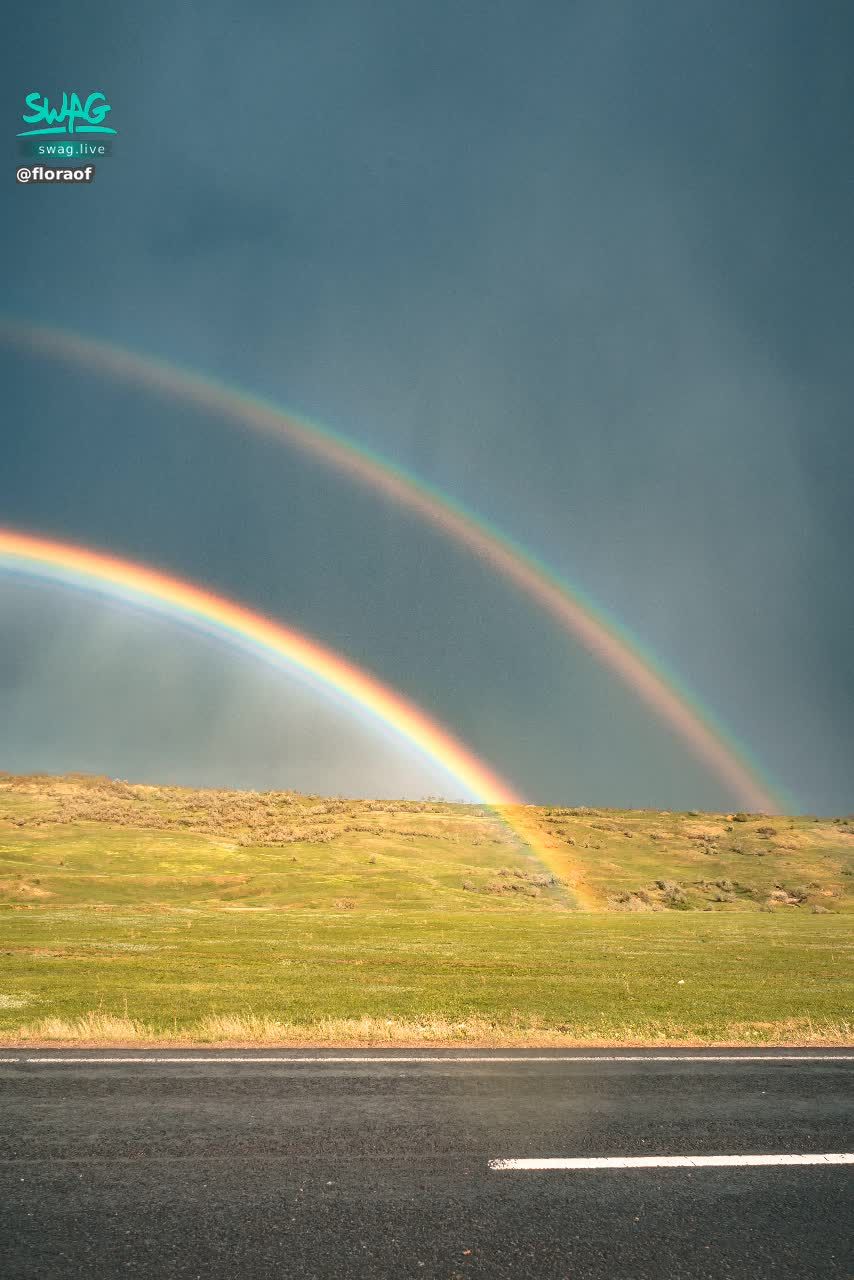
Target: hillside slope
column 91, row 840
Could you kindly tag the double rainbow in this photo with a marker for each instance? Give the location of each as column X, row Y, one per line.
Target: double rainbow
column 586, row 623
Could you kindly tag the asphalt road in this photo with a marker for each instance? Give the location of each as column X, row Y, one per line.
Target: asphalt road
column 328, row 1168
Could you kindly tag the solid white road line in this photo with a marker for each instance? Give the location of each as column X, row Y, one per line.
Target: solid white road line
column 192, row 1059
column 671, row 1162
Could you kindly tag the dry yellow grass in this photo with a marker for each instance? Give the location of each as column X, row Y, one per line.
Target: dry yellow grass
column 98, row 1030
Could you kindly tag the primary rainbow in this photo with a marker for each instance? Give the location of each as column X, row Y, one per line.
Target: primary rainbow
column 93, row 571
column 610, row 642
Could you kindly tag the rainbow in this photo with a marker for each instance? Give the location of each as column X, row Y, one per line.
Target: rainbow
column 607, row 640
column 93, row 571
column 140, row 585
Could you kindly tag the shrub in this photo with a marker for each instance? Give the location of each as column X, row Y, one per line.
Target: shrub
column 766, row 831
column 673, row 894
column 638, row 901
column 469, row 885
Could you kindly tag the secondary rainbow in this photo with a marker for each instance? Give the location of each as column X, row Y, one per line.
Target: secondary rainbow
column 610, row 642
column 93, row 571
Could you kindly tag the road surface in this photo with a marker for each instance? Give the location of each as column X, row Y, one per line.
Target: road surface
column 403, row 1164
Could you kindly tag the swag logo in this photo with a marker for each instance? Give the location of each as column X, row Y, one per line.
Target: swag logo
column 58, row 131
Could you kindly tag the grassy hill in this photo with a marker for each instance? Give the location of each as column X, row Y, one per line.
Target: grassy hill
column 132, row 913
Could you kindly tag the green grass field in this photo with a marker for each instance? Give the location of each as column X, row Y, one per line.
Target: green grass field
column 142, row 914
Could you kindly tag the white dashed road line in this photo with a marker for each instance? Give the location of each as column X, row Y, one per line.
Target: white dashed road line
column 671, row 1162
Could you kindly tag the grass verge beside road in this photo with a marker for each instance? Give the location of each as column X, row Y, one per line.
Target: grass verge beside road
column 282, row 977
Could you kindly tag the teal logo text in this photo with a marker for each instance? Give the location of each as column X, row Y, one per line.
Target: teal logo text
column 72, row 117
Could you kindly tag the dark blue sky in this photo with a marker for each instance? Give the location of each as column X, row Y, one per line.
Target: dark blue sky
column 587, row 267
